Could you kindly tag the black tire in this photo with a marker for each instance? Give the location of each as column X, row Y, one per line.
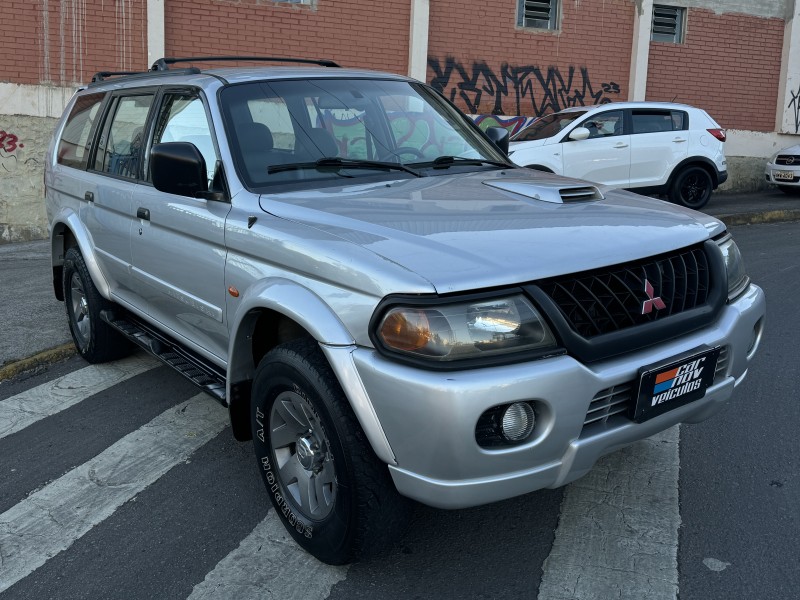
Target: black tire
column 539, row 168
column 692, row 188
column 95, row 339
column 328, row 488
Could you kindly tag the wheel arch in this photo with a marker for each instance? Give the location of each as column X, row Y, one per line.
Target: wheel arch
column 67, row 232
column 695, row 161
column 538, row 167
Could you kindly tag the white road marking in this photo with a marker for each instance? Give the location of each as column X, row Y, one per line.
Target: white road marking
column 22, row 410
column 715, row 564
column 268, row 565
column 618, row 532
column 53, row 518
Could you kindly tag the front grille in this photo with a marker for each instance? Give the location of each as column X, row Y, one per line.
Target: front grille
column 621, row 399
column 601, row 302
column 787, row 159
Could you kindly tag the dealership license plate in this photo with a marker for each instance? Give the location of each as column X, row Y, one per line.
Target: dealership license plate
column 783, row 175
column 663, row 387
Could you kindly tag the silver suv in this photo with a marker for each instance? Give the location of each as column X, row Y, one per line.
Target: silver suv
column 389, row 308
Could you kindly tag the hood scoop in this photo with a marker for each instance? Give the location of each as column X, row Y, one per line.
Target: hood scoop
column 549, row 192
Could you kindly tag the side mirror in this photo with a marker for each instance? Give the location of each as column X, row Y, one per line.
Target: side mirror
column 579, row 133
column 178, row 168
column 500, row 137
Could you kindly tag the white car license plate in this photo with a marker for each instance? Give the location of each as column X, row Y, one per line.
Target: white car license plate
column 783, row 175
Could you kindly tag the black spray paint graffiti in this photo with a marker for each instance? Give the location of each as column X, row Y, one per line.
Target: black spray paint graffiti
column 517, row 90
column 794, row 103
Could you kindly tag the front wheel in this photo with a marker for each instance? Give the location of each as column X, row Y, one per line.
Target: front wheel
column 692, row 188
column 328, row 488
column 95, row 339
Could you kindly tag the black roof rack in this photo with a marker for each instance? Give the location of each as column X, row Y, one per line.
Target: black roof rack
column 102, row 76
column 162, row 64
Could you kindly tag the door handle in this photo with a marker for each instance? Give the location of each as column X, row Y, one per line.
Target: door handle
column 143, row 213
column 679, row 140
column 89, row 197
column 621, row 145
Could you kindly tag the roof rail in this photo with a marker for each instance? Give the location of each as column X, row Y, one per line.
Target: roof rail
column 103, row 75
column 162, row 64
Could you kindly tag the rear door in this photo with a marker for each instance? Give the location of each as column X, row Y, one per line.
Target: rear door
column 178, row 243
column 605, row 156
column 659, row 141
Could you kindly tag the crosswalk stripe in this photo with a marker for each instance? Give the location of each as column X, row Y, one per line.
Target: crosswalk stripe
column 24, row 409
column 53, row 518
column 268, row 565
column 618, row 532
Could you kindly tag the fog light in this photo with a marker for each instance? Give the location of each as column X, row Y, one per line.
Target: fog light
column 517, row 422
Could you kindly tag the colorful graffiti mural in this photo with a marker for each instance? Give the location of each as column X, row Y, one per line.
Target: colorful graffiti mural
column 517, row 90
column 513, row 124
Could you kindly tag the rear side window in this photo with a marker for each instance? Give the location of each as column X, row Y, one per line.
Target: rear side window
column 119, row 150
column 653, row 121
column 75, row 142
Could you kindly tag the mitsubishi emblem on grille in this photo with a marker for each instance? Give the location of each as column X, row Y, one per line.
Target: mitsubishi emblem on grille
column 657, row 302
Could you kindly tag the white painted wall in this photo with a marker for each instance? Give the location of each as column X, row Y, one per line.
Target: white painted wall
column 418, row 39
column 640, row 54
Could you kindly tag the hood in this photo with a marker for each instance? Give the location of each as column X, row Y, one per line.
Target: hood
column 488, row 229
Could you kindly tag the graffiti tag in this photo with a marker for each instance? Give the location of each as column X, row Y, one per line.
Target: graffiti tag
column 9, row 142
column 517, row 90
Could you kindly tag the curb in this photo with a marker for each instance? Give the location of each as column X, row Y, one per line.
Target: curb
column 31, row 362
column 756, row 218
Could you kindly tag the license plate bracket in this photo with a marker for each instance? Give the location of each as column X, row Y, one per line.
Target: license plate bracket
column 667, row 385
column 783, row 175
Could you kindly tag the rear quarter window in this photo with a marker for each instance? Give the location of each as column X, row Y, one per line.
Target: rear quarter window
column 75, row 142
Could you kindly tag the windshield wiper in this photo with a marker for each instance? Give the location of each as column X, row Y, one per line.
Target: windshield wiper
column 445, row 162
column 334, row 164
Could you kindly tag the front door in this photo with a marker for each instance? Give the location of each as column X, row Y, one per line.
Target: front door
column 604, row 157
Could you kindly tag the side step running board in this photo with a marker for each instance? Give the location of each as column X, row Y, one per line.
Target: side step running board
column 206, row 376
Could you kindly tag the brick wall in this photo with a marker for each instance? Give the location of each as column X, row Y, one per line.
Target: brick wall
column 353, row 33
column 586, row 62
column 729, row 65
column 65, row 42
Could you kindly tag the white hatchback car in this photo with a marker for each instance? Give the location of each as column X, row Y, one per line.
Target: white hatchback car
column 651, row 147
column 783, row 169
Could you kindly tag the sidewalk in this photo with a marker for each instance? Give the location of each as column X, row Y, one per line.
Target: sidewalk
column 35, row 326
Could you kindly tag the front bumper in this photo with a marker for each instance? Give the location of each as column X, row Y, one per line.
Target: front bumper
column 429, row 417
column 772, row 169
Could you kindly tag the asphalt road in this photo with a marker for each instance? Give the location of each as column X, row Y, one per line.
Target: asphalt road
column 121, row 481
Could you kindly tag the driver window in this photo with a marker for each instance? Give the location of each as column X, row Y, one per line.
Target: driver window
column 605, row 124
column 183, row 119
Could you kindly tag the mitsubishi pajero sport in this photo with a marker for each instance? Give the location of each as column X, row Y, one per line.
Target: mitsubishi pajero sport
column 388, row 307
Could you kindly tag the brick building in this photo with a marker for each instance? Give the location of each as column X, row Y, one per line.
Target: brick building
column 737, row 59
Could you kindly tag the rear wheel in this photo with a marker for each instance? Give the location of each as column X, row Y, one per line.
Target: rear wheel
column 95, row 339
column 328, row 488
column 692, row 188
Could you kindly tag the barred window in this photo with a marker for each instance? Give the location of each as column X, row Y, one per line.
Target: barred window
column 538, row 14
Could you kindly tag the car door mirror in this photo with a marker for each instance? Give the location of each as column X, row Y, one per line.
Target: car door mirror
column 178, row 168
column 579, row 133
column 499, row 135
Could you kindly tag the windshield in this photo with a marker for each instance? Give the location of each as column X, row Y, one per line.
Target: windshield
column 547, row 126
column 326, row 129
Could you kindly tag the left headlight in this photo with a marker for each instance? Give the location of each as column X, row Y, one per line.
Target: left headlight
column 447, row 332
column 734, row 265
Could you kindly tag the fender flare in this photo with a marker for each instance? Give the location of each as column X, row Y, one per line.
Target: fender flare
column 68, row 219
column 297, row 302
column 694, row 161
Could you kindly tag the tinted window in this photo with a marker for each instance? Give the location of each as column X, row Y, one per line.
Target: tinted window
column 547, row 126
column 74, row 145
column 119, row 149
column 652, row 121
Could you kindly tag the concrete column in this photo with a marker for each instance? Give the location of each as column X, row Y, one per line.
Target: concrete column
column 155, row 30
column 418, row 39
column 640, row 53
column 788, row 113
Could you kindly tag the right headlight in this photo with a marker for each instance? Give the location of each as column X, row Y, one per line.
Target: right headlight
column 445, row 332
column 734, row 265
